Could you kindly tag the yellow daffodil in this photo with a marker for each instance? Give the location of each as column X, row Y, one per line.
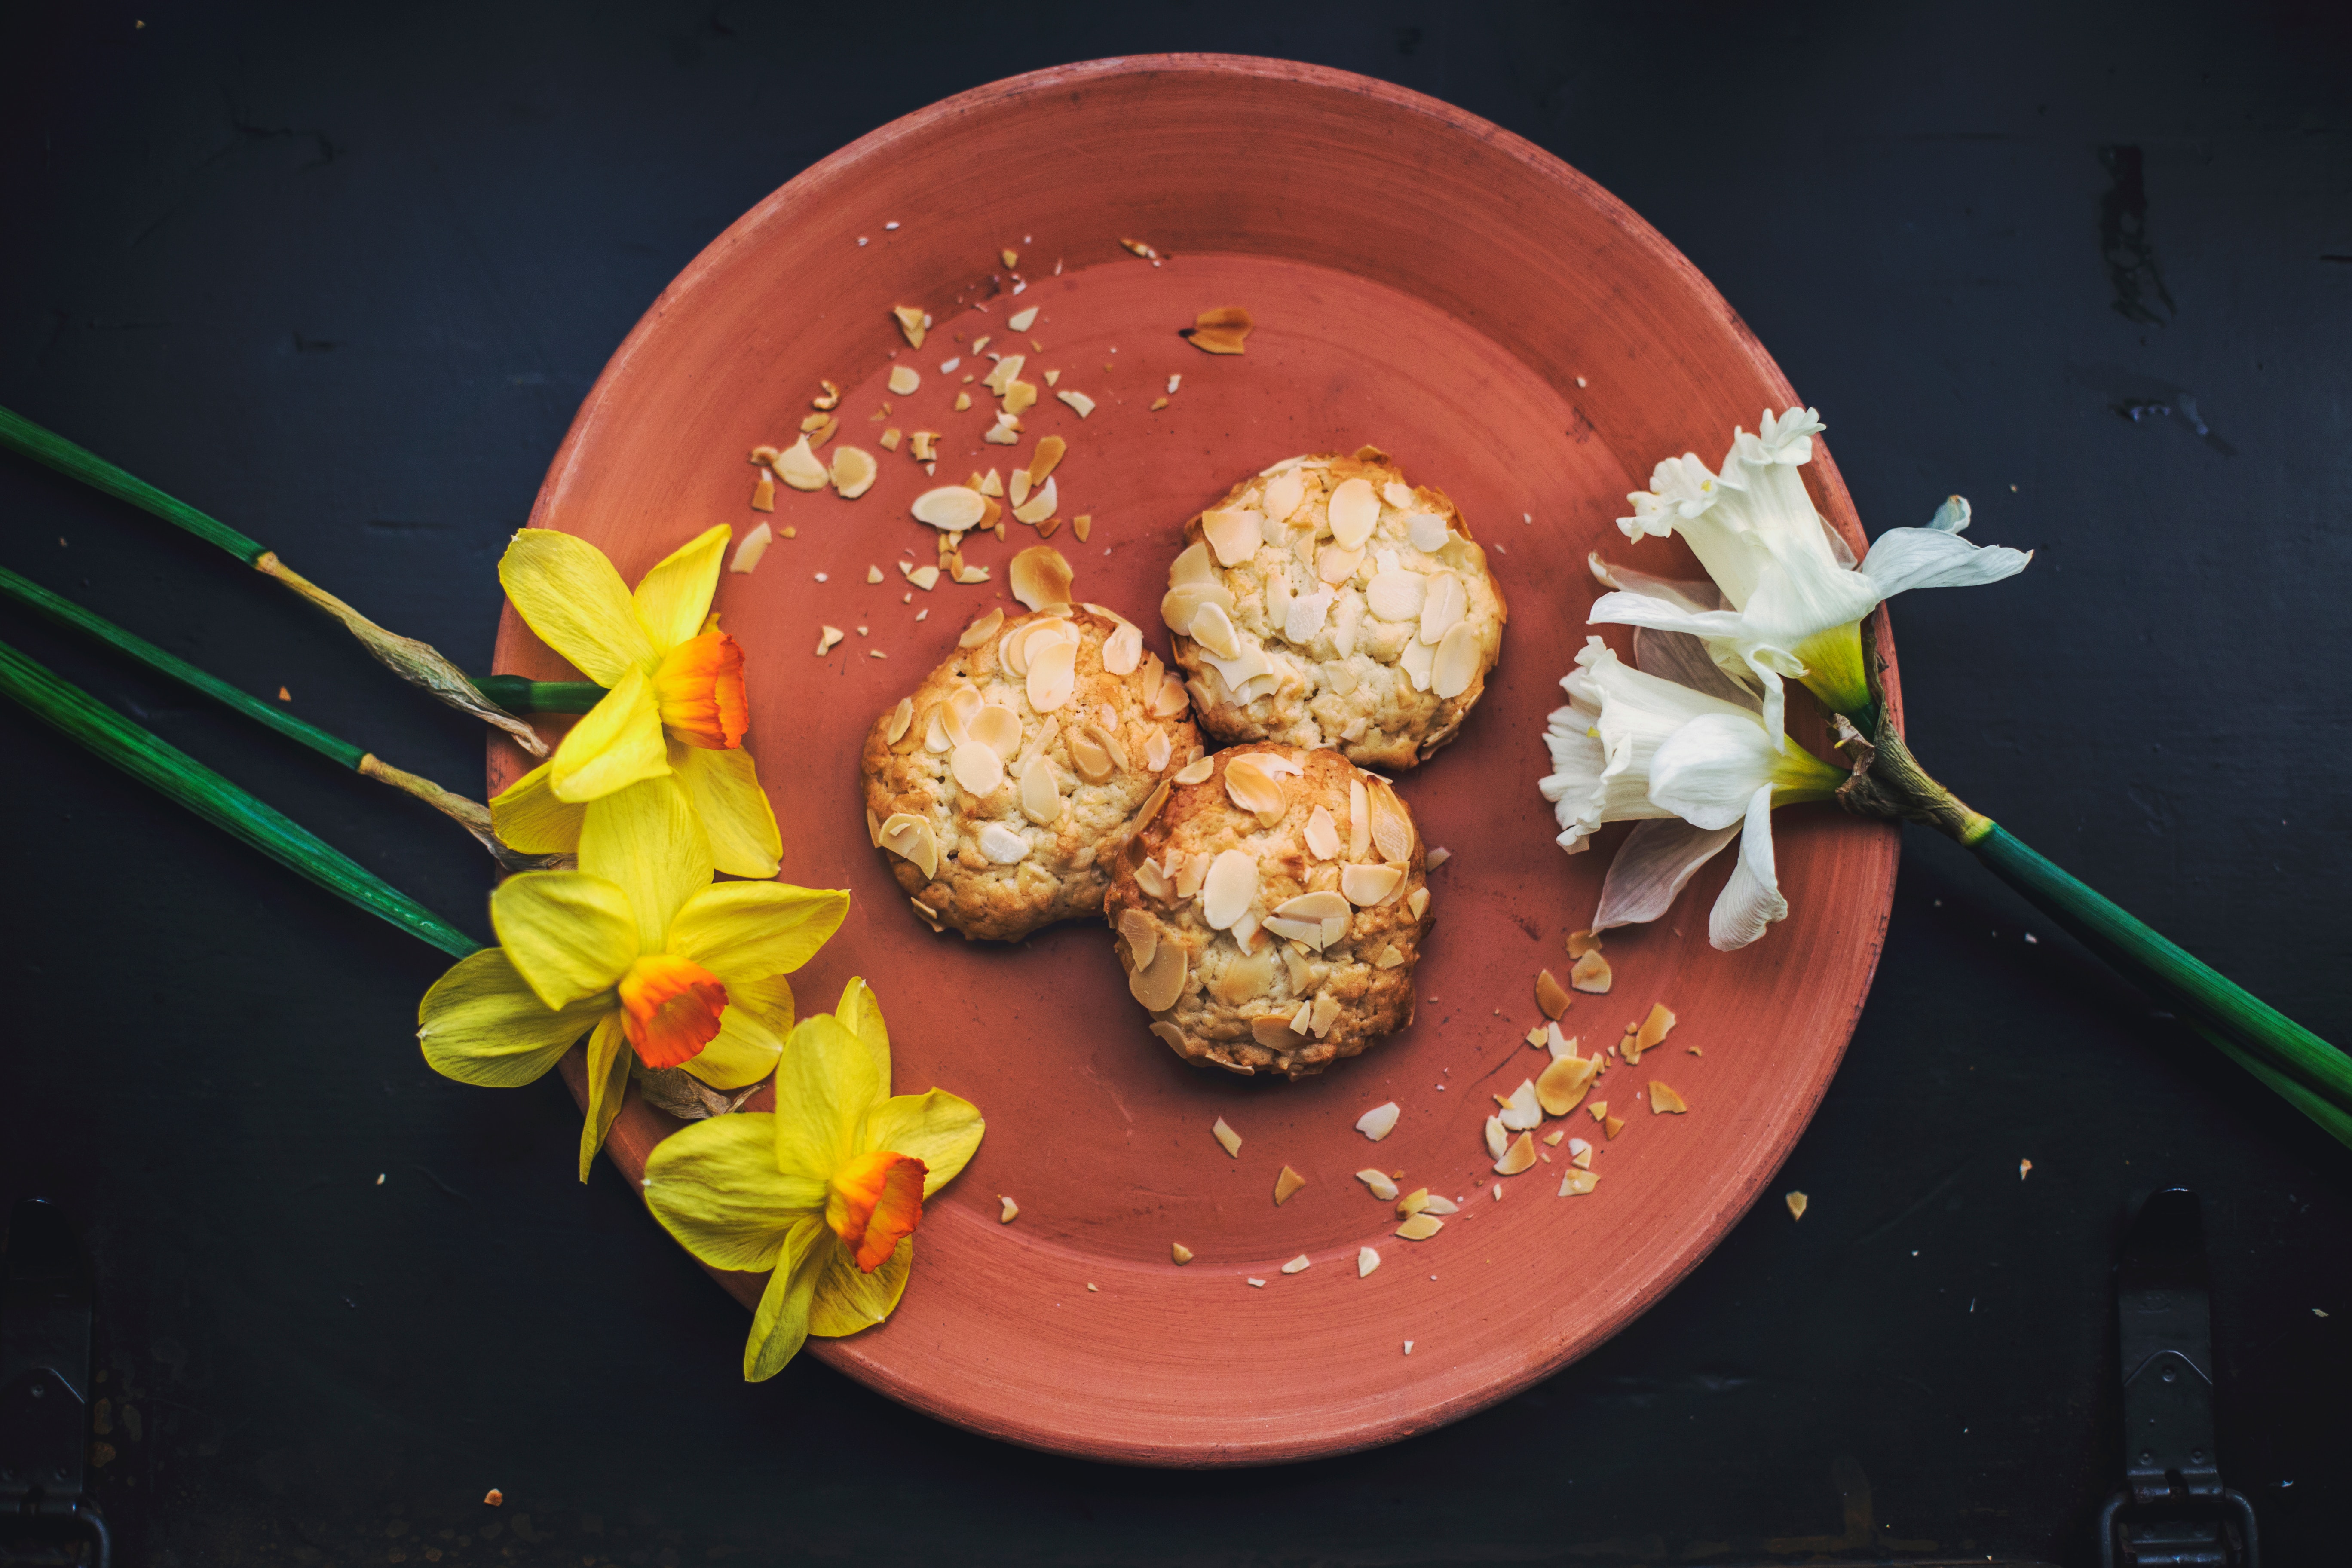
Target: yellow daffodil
column 638, row 951
column 826, row 1191
column 675, row 703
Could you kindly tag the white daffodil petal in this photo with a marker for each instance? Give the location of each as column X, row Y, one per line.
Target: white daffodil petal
column 1903, row 558
column 1652, row 867
column 1751, row 900
column 1684, row 659
column 1602, row 743
column 1706, row 772
column 1681, row 592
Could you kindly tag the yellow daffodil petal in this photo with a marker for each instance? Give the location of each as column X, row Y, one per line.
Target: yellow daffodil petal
column 480, row 1024
column 672, row 598
column 780, row 1325
column 615, row 745
column 826, row 1084
column 714, row 1186
column 940, row 1129
column 569, row 935
column 608, row 1086
column 725, row 789
column 742, row 1052
column 768, row 1001
column 527, row 816
column 752, row 930
column 567, row 593
column 671, row 1008
column 862, row 1012
column 848, row 1300
column 646, row 839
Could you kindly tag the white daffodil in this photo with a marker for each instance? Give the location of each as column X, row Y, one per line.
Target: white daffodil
column 1787, row 595
column 1693, row 761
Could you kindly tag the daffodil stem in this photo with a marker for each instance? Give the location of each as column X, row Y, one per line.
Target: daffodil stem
column 419, row 664
column 517, row 695
column 155, row 762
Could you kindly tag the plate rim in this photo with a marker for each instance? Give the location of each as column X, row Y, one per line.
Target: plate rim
column 639, row 1127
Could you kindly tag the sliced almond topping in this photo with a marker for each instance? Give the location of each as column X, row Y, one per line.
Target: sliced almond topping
column 924, row 577
column 1366, row 1261
column 1313, row 907
column 1421, row 1228
column 819, row 429
column 1580, row 942
column 1228, row 1137
column 1212, row 628
column 1335, row 565
column 1652, row 1032
column 1612, row 1125
column 1565, row 1083
column 1272, row 1030
column 1360, row 821
column 1353, row 511
column 1436, row 1204
column 1665, row 1101
column 1443, row 609
column 754, row 546
column 1078, row 400
column 1019, row 396
column 1151, row 808
column 1397, row 495
column 1392, row 826
column 1159, row 985
column 904, row 379
column 826, row 637
column 1517, row 1158
column 1520, row 1111
column 1797, row 1202
column 1551, row 995
column 1286, row 1184
column 1389, row 958
column 981, row 630
column 853, row 473
column 1591, row 974
column 1002, row 375
column 1378, row 1181
column 902, row 717
column 1194, row 772
column 1223, row 330
column 1113, row 747
column 1017, row 490
column 1191, row 875
column 989, row 484
column 801, row 468
column 1416, row 904
column 1040, row 576
column 1154, row 883
column 1244, row 980
column 1005, row 432
column 1455, row 665
column 1047, row 456
column 1413, row 1202
column 1039, row 506
column 1229, row 890
column 1376, row 1125
column 1395, row 595
column 912, row 322
column 1191, row 565
column 1086, row 755
column 1322, row 835
column 978, row 768
column 911, row 839
column 1497, row 1137
column 1598, row 1110
column 1180, row 606
column 1234, row 533
column 1576, row 1184
column 1180, row 1252
column 1250, row 787
column 1123, row 650
column 1368, row 885
column 1053, row 676
column 1581, row 1152
column 1140, row 933
column 951, row 508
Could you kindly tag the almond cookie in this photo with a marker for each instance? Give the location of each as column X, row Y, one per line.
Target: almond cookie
column 1270, row 915
column 1327, row 602
column 1001, row 793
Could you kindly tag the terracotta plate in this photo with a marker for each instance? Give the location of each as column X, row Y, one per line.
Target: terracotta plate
column 1423, row 281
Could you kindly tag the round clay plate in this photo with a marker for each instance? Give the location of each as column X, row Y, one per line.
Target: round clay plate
column 1423, row 281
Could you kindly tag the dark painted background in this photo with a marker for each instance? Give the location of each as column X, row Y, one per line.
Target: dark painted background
column 341, row 274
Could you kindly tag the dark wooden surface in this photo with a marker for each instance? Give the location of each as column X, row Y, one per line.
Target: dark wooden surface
column 340, row 275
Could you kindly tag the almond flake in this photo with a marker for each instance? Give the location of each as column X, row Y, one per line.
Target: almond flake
column 1158, row 986
column 1012, row 1210
column 1368, row 885
column 1436, row 1204
column 1286, row 1185
column 1259, row 1283
column 1576, row 1184
column 853, row 473
column 920, row 446
column 1497, row 1138
column 1322, row 835
column 1416, row 904
column 1552, row 1137
column 1598, row 1110
column 1229, row 890
column 1613, row 1126
column 1455, row 664
column 799, row 467
column 1378, row 1122
column 1020, row 321
column 1664, row 1102
column 1565, row 1083
column 1139, row 248
column 1551, row 995
column 1221, row 331
column 981, row 630
column 951, row 508
column 1040, row 576
column 1078, row 400
column 1580, row 942
column 1019, row 396
column 912, row 322
column 1581, row 1152
column 1040, row 505
column 764, row 492
column 1298, row 1265
column 1421, row 1228
column 963, row 400
column 826, row 637
column 1081, row 524
column 819, row 429
column 924, row 577
column 1515, row 1159
column 1591, row 974
column 1796, row 1202
column 902, row 717
column 1228, row 1137
column 911, row 838
column 1652, row 1032
column 1353, row 509
column 904, row 379
column 991, row 483
column 1382, row 1186
column 1366, row 1261
column 1520, row 1111
column 748, row 553
column 1158, row 404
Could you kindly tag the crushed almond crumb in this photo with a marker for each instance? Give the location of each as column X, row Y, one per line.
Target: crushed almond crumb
column 1796, row 1202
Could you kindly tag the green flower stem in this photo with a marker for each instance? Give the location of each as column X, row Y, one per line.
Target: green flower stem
column 470, row 815
column 420, row 664
column 146, row 757
column 516, row 695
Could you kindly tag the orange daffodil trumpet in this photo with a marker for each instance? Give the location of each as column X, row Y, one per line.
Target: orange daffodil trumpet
column 639, row 951
column 826, row 1191
column 674, row 705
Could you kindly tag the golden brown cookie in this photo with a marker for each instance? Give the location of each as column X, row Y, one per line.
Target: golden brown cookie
column 1325, row 602
column 1002, row 791
column 1270, row 915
